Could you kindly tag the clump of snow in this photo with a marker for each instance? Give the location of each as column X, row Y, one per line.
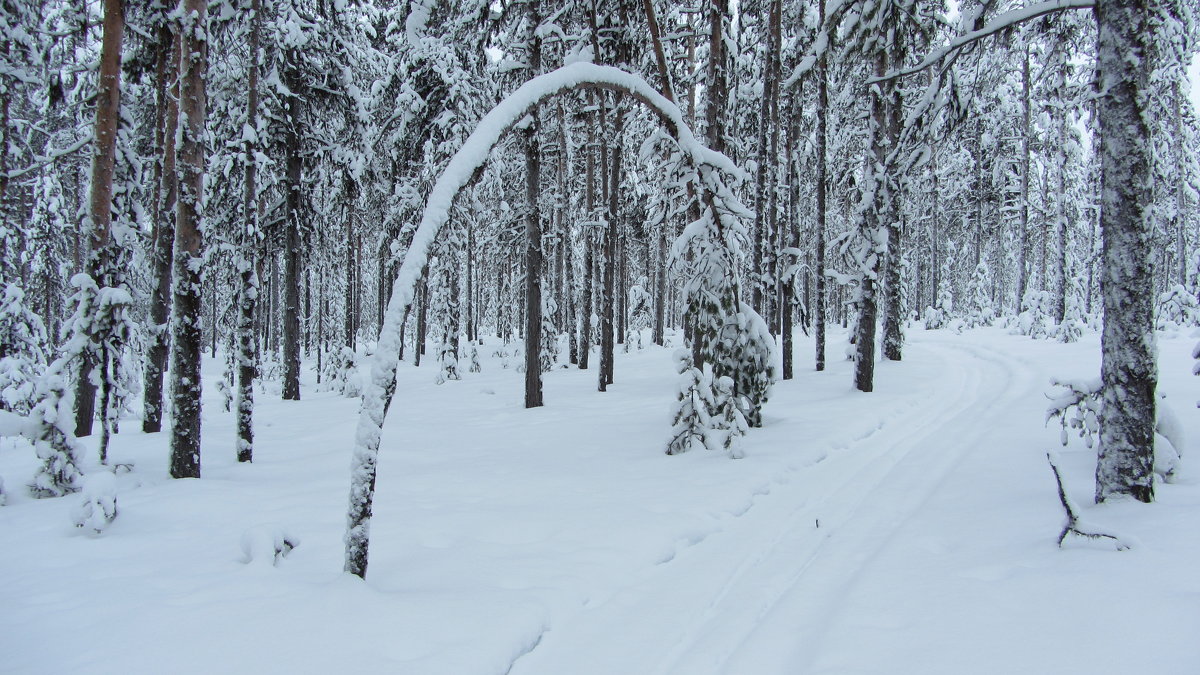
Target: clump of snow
column 265, row 544
column 98, row 509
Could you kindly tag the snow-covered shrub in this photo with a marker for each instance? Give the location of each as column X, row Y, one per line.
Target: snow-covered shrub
column 727, row 423
column 745, row 351
column 693, row 400
column 99, row 506
column 225, row 383
column 1079, row 405
column 640, row 315
column 1177, row 307
column 548, row 349
column 56, row 446
column 1034, row 320
column 1196, row 364
column 3, row 495
column 267, row 544
column 1071, row 328
column 474, row 367
column 979, row 310
column 934, row 318
column 23, row 346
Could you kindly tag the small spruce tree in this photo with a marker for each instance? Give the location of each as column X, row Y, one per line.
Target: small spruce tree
column 694, row 400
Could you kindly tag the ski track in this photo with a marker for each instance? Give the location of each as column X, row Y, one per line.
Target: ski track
column 777, row 576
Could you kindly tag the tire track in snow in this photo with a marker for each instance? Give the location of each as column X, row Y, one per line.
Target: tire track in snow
column 701, row 609
column 800, row 610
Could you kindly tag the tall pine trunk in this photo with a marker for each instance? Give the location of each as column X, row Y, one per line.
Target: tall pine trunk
column 104, row 154
column 185, row 321
column 1128, row 369
column 248, row 292
column 822, row 113
column 291, row 246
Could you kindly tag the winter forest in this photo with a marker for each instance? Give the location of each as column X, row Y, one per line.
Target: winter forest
column 599, row 336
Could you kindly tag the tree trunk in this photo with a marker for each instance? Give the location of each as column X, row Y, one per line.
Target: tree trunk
column 167, row 109
column 251, row 240
column 291, row 246
column 533, row 268
column 1022, row 259
column 1128, row 369
column 822, row 113
column 104, row 154
column 186, row 345
column 608, row 299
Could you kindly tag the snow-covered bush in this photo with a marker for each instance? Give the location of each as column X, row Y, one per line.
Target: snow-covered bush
column 267, row 545
column 548, row 349
column 1034, row 320
column 694, row 398
column 1177, row 307
column 979, row 310
column 56, row 446
column 1079, row 405
column 640, row 315
column 1071, row 328
column 745, row 351
column 934, row 318
column 23, row 346
column 99, row 506
column 474, row 354
column 727, row 423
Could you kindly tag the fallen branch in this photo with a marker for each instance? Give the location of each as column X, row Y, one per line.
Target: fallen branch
column 1072, row 526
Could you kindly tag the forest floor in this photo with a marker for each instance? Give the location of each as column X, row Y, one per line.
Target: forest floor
column 911, row 530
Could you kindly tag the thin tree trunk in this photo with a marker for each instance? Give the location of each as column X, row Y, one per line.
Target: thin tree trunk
column 251, row 239
column 291, row 246
column 533, row 268
column 185, row 380
column 608, row 300
column 1022, row 260
column 164, row 227
column 822, row 113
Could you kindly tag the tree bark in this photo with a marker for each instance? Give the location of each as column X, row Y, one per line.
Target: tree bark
column 1128, row 370
column 104, row 153
column 186, row 344
column 291, row 247
column 822, row 113
column 251, row 239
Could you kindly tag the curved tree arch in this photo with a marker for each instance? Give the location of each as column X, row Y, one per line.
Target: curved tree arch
column 719, row 205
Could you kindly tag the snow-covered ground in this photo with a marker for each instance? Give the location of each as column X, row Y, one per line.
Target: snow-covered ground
column 911, row 530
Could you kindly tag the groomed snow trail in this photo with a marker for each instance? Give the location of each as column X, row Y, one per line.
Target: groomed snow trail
column 755, row 597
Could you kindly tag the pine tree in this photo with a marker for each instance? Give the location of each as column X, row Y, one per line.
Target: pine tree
column 694, row 395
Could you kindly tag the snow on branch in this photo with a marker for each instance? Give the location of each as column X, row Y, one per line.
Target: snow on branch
column 1004, row 21
column 460, row 171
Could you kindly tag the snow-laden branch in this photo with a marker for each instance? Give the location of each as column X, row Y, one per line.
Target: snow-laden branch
column 51, row 157
column 1003, row 21
column 458, row 173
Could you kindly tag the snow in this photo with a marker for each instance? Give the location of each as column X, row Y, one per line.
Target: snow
column 908, row 530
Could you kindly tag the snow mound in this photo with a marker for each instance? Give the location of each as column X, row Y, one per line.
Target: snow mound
column 265, row 543
column 99, row 506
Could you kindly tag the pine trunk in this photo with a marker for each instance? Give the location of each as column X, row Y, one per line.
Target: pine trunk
column 186, row 343
column 1128, row 369
column 248, row 291
column 104, row 153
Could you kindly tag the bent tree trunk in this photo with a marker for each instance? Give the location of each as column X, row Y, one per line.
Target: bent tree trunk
column 472, row 154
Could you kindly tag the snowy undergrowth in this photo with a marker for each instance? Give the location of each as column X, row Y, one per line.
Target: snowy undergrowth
column 567, row 531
